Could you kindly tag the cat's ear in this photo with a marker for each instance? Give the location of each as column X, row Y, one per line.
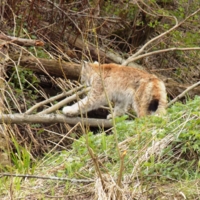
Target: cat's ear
column 86, row 73
column 86, row 66
column 96, row 62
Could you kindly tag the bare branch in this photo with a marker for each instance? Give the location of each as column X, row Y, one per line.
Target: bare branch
column 29, row 111
column 64, row 102
column 52, row 118
column 183, row 93
column 130, row 59
column 165, row 50
column 22, row 41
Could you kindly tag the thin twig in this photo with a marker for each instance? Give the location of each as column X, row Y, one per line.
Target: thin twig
column 183, row 93
column 30, row 110
column 47, row 177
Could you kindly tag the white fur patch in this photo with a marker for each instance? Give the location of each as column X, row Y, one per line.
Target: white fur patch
column 69, row 110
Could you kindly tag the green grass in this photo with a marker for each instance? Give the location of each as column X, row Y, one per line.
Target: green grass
column 161, row 160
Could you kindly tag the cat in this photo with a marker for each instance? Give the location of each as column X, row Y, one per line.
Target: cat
column 126, row 87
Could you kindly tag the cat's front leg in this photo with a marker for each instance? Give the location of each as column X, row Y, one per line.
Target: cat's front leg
column 77, row 108
column 71, row 110
column 91, row 102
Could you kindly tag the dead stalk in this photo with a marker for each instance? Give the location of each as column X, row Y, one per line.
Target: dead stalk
column 121, row 169
column 95, row 160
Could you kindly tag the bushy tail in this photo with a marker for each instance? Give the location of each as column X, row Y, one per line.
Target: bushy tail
column 158, row 101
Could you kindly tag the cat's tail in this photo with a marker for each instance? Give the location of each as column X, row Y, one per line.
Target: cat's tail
column 158, row 102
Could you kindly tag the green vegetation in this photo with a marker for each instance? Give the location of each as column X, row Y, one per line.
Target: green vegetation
column 23, row 84
column 158, row 152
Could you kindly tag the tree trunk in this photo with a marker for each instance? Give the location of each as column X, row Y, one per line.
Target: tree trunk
column 72, row 71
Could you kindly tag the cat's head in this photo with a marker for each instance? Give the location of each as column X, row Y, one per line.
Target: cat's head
column 87, row 72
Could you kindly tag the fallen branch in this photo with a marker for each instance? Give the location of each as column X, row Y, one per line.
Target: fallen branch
column 73, row 180
column 22, row 41
column 52, row 118
column 53, row 67
column 183, row 93
column 64, row 94
column 64, row 102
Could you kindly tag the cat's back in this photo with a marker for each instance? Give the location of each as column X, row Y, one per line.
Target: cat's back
column 121, row 71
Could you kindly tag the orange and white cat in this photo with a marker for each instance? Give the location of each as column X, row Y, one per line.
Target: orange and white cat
column 126, row 87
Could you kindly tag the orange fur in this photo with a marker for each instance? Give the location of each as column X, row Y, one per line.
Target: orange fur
column 125, row 86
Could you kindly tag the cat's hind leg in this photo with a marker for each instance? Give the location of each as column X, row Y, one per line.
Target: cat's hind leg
column 119, row 110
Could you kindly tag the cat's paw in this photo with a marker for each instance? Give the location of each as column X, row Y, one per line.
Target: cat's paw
column 68, row 110
column 109, row 116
